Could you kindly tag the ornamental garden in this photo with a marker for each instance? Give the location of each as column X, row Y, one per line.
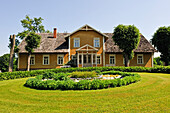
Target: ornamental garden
column 82, row 80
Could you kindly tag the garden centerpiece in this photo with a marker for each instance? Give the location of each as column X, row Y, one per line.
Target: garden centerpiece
column 83, row 80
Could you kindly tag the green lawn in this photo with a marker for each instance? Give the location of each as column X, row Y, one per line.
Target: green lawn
column 151, row 94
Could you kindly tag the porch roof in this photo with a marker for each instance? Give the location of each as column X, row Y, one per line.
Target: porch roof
column 87, row 47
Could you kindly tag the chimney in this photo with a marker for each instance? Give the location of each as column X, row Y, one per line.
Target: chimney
column 55, row 32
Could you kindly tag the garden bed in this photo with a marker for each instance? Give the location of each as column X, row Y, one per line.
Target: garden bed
column 53, row 81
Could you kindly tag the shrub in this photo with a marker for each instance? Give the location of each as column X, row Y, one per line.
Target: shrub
column 84, row 74
column 23, row 74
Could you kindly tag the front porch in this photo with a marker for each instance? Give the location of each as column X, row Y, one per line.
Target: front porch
column 87, row 56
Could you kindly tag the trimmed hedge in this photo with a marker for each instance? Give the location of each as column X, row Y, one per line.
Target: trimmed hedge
column 23, row 74
column 69, row 84
column 85, row 74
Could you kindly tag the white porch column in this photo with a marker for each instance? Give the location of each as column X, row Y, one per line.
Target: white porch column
column 78, row 59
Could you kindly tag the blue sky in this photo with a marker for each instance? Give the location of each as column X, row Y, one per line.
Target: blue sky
column 69, row 15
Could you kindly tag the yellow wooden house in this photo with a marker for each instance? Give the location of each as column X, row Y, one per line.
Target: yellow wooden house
column 85, row 47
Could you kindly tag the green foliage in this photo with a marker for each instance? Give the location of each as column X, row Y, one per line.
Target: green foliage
column 84, row 74
column 31, row 25
column 161, row 40
column 68, row 84
column 33, row 41
column 4, row 63
column 157, row 61
column 127, row 38
column 24, row 74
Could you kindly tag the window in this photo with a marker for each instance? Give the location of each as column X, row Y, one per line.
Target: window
column 94, row 58
column 32, row 60
column 80, row 59
column 84, row 59
column 112, row 59
column 96, row 42
column 76, row 42
column 60, row 59
column 74, row 58
column 139, row 59
column 98, row 59
column 46, row 60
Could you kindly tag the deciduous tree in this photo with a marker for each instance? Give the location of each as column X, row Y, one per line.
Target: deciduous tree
column 161, row 40
column 33, row 41
column 127, row 38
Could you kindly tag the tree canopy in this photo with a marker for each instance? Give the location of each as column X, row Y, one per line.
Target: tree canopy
column 127, row 38
column 4, row 63
column 32, row 41
column 161, row 40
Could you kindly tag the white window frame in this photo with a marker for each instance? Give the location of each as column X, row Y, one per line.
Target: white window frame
column 95, row 42
column 142, row 59
column 60, row 55
column 75, row 42
column 48, row 59
column 114, row 58
column 97, row 58
column 34, row 60
column 124, row 60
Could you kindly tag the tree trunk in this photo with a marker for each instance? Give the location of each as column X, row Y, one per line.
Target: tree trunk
column 126, row 61
column 28, row 65
column 12, row 40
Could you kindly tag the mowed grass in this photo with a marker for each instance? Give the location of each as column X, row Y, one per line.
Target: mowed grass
column 151, row 94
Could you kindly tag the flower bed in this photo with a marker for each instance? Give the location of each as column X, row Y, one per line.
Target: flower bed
column 63, row 82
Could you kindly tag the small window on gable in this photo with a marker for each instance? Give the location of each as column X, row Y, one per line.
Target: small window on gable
column 112, row 59
column 76, row 42
column 96, row 42
column 32, row 60
column 46, row 60
column 60, row 59
column 139, row 59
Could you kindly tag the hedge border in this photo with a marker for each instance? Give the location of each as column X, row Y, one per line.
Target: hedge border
column 24, row 74
column 69, row 84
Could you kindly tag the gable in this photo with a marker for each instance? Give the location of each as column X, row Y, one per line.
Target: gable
column 86, row 28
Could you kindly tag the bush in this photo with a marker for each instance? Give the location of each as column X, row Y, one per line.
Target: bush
column 24, row 74
column 68, row 84
column 84, row 74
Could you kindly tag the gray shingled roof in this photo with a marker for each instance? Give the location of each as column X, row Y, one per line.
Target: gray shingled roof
column 144, row 45
column 49, row 44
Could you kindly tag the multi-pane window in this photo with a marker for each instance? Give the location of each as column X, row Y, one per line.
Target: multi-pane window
column 80, row 60
column 140, row 59
column 60, row 59
column 94, row 59
column 32, row 60
column 96, row 42
column 112, row 59
column 76, row 42
column 74, row 58
column 45, row 59
column 98, row 59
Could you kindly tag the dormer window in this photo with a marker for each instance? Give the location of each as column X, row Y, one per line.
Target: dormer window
column 96, row 42
column 76, row 42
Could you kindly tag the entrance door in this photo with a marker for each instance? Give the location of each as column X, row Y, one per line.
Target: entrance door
column 87, row 61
